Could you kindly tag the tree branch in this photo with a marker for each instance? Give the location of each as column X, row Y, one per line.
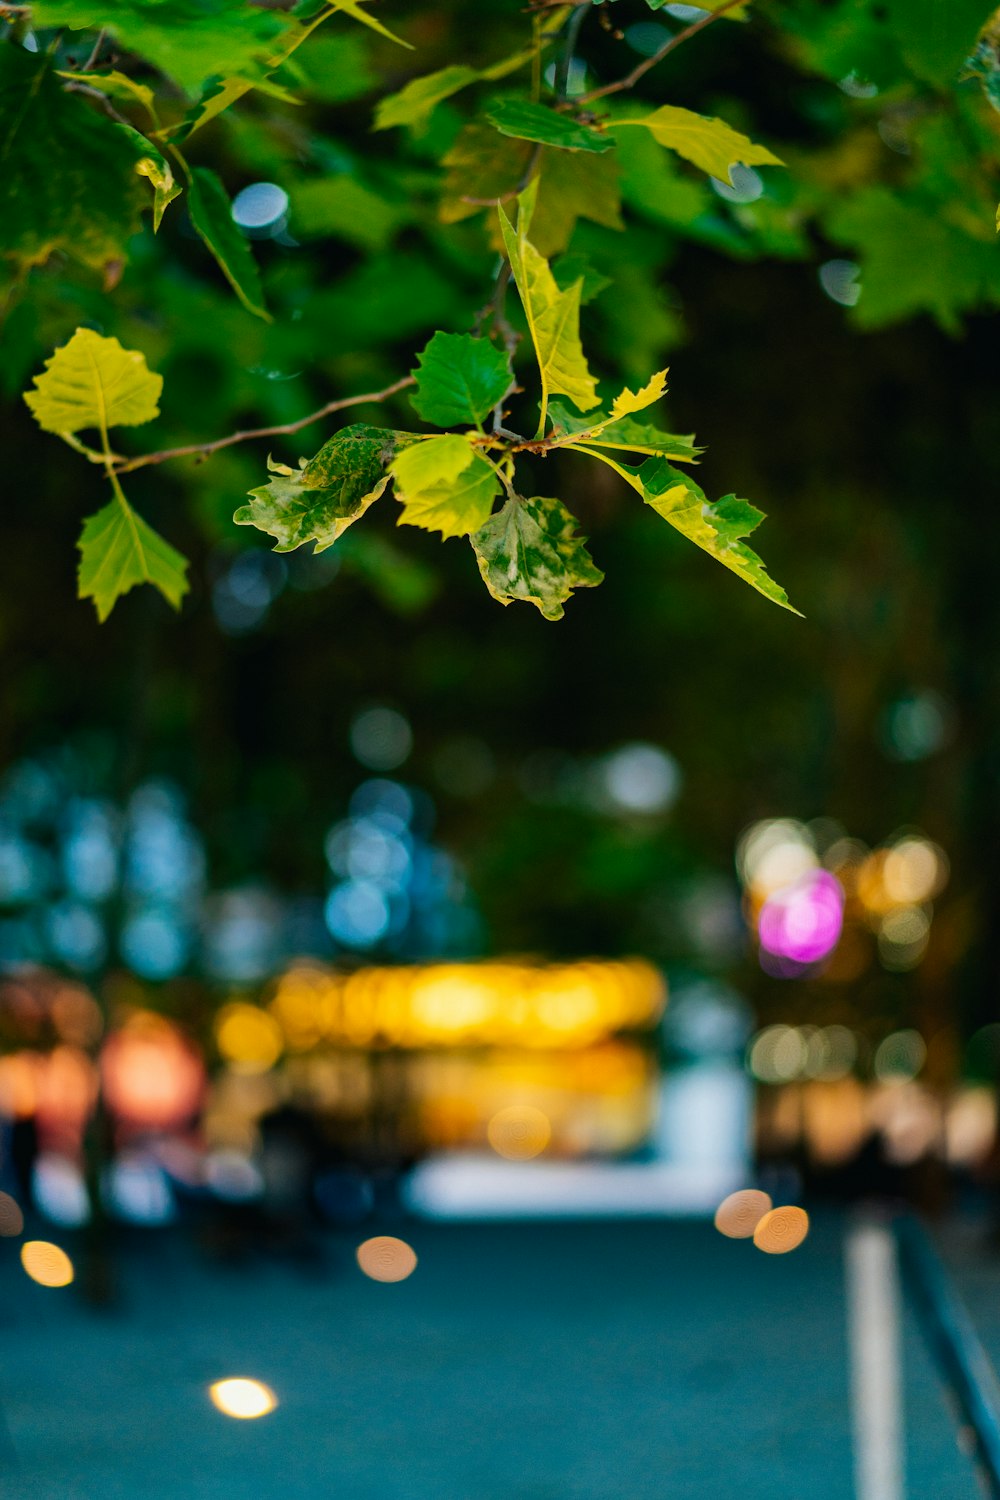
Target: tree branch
column 641, row 69
column 205, row 450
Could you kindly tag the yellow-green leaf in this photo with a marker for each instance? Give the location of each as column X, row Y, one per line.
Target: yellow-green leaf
column 553, row 315
column 454, row 507
column 710, row 143
column 118, row 550
column 437, row 461
column 629, row 401
column 530, row 550
column 165, row 189
column 719, row 528
column 154, row 166
column 327, row 493
column 116, row 86
column 93, row 382
column 414, row 102
column 353, row 8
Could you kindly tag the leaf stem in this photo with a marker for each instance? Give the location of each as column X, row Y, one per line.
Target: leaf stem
column 564, row 72
column 96, row 51
column 245, row 435
column 641, row 69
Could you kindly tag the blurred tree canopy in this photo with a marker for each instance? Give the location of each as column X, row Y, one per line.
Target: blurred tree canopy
column 257, row 214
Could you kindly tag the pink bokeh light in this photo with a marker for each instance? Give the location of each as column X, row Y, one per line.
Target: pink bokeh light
column 803, row 922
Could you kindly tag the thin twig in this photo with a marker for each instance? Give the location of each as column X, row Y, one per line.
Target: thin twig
column 102, row 99
column 641, row 69
column 95, row 53
column 204, row 450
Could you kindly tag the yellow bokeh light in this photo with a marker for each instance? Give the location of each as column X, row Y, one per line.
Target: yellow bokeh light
column 432, row 1005
column 781, row 1230
column 385, row 1258
column 46, row 1263
column 738, row 1215
column 246, row 1399
column 249, row 1039
column 519, row 1132
column 914, row 871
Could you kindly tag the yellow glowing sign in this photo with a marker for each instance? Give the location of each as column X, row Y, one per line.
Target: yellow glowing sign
column 46, row 1263
column 435, row 1005
column 241, row 1398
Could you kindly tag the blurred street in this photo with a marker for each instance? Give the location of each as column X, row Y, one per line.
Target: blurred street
column 519, row 1362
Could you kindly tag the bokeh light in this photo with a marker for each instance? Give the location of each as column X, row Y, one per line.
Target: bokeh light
column 11, row 1217
column 151, row 1074
column 900, row 1056
column 773, row 854
column 738, row 1215
column 386, row 1258
column 802, row 922
column 519, row 1132
column 381, row 738
column 46, row 1263
column 840, row 281
column 248, row 1038
column 640, row 778
column 781, row 1230
column 242, row 1398
column 262, row 205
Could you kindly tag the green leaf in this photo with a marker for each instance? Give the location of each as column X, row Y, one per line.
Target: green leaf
column 118, row 550
column 354, row 9
column 189, row 40
column 455, row 506
column 710, row 143
column 117, row 86
column 574, row 185
column 222, row 92
column 576, row 267
column 627, row 435
column 413, row 103
column 947, row 272
column 335, row 68
column 67, row 172
column 344, row 207
column 735, row 13
column 936, row 38
column 481, row 166
column 93, row 382
column 530, row 550
column 717, row 528
column 553, row 316
column 319, row 500
column 150, row 163
column 212, row 218
column 533, row 122
column 459, row 379
column 626, row 403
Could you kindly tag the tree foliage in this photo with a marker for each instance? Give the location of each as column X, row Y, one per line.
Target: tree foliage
column 501, row 195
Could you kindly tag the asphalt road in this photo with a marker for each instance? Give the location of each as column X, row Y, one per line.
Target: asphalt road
column 519, row 1362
